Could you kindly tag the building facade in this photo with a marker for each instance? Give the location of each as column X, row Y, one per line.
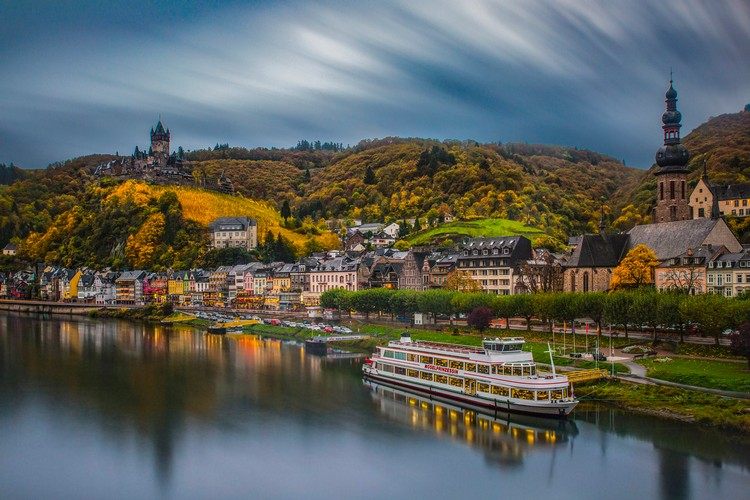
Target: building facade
column 227, row 232
column 492, row 261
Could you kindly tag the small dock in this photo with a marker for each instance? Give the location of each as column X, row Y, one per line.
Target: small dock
column 581, row 376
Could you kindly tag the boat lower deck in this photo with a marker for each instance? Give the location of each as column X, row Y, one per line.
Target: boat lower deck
column 560, row 410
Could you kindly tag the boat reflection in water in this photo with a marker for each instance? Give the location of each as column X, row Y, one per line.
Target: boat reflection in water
column 504, row 437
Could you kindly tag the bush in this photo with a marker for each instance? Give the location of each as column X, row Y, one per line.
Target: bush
column 480, row 318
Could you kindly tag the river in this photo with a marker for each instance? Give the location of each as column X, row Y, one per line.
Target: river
column 114, row 409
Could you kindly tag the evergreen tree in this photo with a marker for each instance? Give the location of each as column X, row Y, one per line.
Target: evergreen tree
column 306, row 176
column 417, row 225
column 180, row 153
column 369, row 175
column 286, row 212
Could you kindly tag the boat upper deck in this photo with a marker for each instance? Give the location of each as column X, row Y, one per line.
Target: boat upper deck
column 493, row 350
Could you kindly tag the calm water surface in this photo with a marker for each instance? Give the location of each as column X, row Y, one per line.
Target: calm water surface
column 110, row 409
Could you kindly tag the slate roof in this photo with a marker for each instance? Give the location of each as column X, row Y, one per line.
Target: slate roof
column 595, row 250
column 670, row 239
column 231, row 221
column 732, row 191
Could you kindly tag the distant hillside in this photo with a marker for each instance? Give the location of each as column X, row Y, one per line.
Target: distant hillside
column 556, row 189
column 723, row 142
column 453, row 232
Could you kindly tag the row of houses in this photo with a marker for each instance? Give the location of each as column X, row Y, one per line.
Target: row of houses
column 491, row 262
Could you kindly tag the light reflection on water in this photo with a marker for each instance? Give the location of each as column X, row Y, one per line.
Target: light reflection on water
column 109, row 408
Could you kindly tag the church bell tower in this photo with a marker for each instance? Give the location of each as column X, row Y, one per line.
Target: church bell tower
column 672, row 158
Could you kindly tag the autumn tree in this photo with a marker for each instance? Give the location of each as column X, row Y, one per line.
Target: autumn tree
column 543, row 274
column 636, row 269
column 461, row 281
column 480, row 318
column 286, row 211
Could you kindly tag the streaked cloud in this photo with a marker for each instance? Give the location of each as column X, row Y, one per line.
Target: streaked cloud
column 80, row 77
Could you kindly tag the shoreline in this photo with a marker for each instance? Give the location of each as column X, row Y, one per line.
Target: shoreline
column 678, row 405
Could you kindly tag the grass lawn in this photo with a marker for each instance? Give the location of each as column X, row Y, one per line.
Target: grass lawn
column 381, row 334
column 473, row 229
column 727, row 375
column 669, row 402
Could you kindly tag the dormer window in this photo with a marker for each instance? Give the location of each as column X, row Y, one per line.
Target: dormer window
column 495, row 251
column 506, row 251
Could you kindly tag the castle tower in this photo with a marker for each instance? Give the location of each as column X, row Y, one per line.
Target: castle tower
column 160, row 144
column 672, row 158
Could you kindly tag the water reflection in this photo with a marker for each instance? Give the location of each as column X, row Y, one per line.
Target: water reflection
column 503, row 438
column 162, row 406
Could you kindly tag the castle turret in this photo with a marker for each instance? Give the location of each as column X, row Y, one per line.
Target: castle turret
column 672, row 159
column 160, row 144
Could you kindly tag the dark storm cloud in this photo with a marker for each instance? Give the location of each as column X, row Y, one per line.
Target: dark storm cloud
column 81, row 77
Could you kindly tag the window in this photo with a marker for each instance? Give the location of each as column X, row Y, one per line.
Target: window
column 542, row 395
column 400, row 371
column 425, row 376
column 481, row 387
column 701, row 212
column 671, row 190
column 412, row 373
column 522, row 394
column 586, row 281
column 441, row 379
column 457, row 365
column 661, row 190
column 411, row 357
column 483, row 369
column 683, row 190
column 500, row 391
column 456, row 382
column 425, row 359
column 400, row 355
column 471, row 367
column 441, row 362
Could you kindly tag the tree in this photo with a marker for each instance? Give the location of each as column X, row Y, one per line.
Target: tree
column 436, row 302
column 286, row 211
column 523, row 305
column 544, row 274
column 369, row 178
column 404, row 303
column 740, row 341
column 461, row 281
column 669, row 312
column 480, row 318
column 337, row 298
column 306, row 175
column 503, row 308
column 618, row 309
column 636, row 269
column 645, row 310
column 592, row 305
column 417, row 226
column 710, row 313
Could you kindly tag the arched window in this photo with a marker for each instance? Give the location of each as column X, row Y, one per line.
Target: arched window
column 573, row 278
column 661, row 190
column 586, row 281
column 683, row 190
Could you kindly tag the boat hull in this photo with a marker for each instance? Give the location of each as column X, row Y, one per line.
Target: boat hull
column 549, row 410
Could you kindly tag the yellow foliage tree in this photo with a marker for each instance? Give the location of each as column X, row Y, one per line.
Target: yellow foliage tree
column 636, row 269
column 141, row 246
column 461, row 281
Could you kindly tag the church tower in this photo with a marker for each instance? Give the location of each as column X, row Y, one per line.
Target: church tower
column 160, row 144
column 672, row 158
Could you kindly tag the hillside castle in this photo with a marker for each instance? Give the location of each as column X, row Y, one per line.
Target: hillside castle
column 157, row 163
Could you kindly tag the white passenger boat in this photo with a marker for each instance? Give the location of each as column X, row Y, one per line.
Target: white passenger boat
column 499, row 376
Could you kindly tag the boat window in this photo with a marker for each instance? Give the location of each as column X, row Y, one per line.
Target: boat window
column 387, row 368
column 441, row 379
column 533, row 370
column 522, row 394
column 441, row 362
column 456, row 382
column 517, row 371
column 425, row 376
column 457, row 365
column 558, row 394
column 542, row 395
column 483, row 368
column 425, row 359
column 400, row 371
column 399, row 355
column 483, row 387
column 499, row 391
column 411, row 357
column 412, row 373
column 471, row 367
column 388, row 354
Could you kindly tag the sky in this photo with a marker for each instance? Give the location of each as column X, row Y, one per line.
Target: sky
column 80, row 77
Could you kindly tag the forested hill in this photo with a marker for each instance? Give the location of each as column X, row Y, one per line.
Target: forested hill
column 722, row 142
column 556, row 189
